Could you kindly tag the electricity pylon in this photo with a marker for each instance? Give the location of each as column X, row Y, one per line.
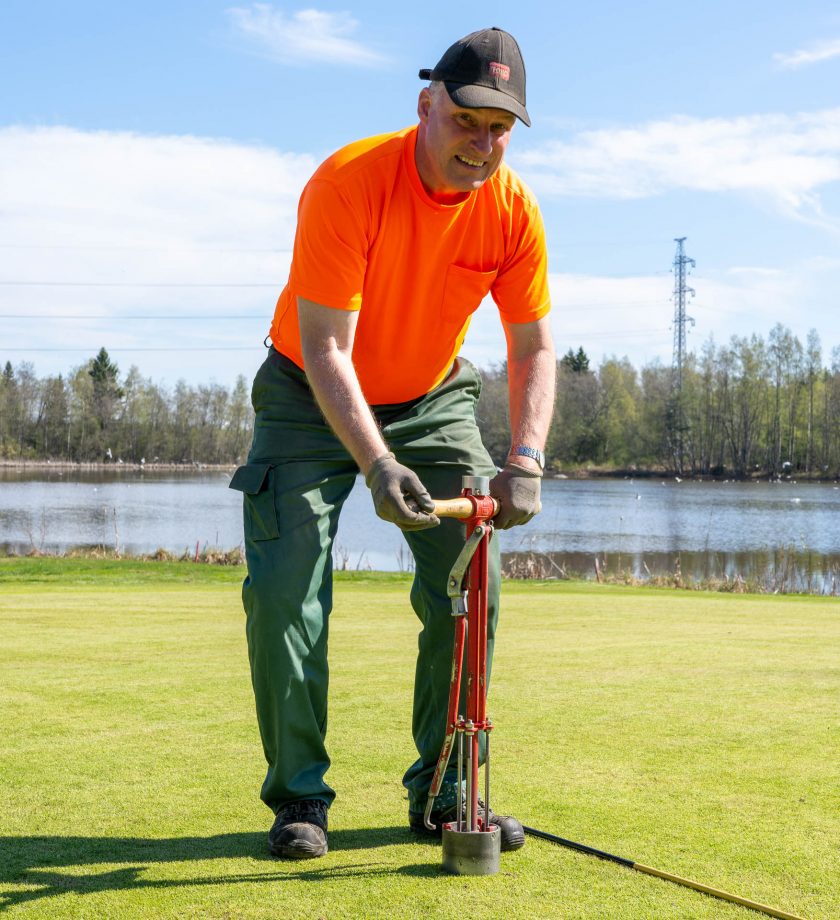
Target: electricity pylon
column 677, row 422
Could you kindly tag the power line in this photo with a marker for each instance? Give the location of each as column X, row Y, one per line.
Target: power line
column 613, row 244
column 143, row 284
column 561, row 306
column 625, row 275
column 249, row 284
column 140, row 247
column 119, row 317
column 626, row 334
column 132, row 349
column 124, row 248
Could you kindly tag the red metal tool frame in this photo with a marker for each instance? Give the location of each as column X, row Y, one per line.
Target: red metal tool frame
column 470, row 610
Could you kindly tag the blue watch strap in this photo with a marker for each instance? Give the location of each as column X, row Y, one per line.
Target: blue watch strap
column 522, row 450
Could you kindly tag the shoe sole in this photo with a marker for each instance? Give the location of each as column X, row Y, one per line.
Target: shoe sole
column 299, row 851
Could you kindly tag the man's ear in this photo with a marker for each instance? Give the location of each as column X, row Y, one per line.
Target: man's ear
column 424, row 104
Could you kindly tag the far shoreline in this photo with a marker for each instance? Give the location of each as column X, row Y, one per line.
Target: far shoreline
column 590, row 472
column 186, row 466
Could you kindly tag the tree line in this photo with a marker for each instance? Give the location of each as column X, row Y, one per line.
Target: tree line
column 93, row 414
column 749, row 407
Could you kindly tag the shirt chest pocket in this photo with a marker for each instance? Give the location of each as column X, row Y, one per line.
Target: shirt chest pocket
column 463, row 291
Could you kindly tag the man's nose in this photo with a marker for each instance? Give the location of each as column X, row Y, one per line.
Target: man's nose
column 482, row 140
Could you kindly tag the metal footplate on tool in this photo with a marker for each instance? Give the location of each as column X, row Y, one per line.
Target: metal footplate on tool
column 472, row 852
column 470, row 847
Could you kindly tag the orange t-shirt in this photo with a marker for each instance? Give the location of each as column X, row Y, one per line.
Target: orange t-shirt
column 370, row 238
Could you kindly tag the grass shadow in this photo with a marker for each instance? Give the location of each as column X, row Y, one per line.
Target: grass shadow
column 30, row 861
column 18, row 853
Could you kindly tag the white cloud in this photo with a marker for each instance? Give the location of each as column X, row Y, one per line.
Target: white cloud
column 628, row 315
column 632, row 315
column 173, row 212
column 159, row 215
column 62, row 184
column 307, row 35
column 783, row 159
column 802, row 57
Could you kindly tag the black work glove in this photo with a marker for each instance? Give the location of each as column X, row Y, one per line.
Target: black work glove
column 389, row 483
column 518, row 493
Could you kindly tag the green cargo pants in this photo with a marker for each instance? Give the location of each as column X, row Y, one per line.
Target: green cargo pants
column 296, row 480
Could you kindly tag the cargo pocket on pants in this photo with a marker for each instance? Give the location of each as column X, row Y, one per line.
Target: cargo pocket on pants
column 256, row 482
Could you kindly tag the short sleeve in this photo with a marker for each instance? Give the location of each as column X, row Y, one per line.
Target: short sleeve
column 330, row 252
column 521, row 286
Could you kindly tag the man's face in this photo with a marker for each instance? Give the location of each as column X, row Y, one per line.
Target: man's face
column 458, row 149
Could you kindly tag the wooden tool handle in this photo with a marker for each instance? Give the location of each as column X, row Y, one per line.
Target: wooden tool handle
column 460, row 508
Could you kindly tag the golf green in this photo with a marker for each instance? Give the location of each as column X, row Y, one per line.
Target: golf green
column 696, row 733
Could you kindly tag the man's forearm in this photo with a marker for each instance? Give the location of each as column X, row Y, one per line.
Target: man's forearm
column 327, row 344
column 336, row 387
column 532, row 368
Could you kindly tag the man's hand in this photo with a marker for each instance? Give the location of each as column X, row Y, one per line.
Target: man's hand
column 518, row 494
column 389, row 482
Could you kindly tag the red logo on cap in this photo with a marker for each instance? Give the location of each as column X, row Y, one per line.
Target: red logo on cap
column 502, row 71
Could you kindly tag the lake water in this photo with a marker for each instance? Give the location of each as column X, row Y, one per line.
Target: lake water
column 753, row 529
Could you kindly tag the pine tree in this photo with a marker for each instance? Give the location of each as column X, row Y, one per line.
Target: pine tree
column 107, row 394
column 577, row 362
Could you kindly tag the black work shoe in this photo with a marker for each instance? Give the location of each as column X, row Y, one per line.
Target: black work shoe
column 513, row 836
column 299, row 830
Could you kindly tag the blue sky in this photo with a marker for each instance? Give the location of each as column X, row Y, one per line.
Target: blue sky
column 151, row 157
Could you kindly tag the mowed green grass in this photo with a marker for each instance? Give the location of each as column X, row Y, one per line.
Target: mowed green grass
column 697, row 733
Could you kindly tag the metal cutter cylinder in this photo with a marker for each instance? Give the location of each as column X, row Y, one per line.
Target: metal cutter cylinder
column 470, row 846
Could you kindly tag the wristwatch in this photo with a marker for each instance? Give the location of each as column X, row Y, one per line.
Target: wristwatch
column 522, row 451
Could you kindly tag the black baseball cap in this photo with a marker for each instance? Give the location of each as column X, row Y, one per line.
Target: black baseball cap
column 484, row 70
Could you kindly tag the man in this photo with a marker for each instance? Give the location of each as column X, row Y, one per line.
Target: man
column 399, row 239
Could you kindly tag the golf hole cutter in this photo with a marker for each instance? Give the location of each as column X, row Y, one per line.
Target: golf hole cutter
column 470, row 845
